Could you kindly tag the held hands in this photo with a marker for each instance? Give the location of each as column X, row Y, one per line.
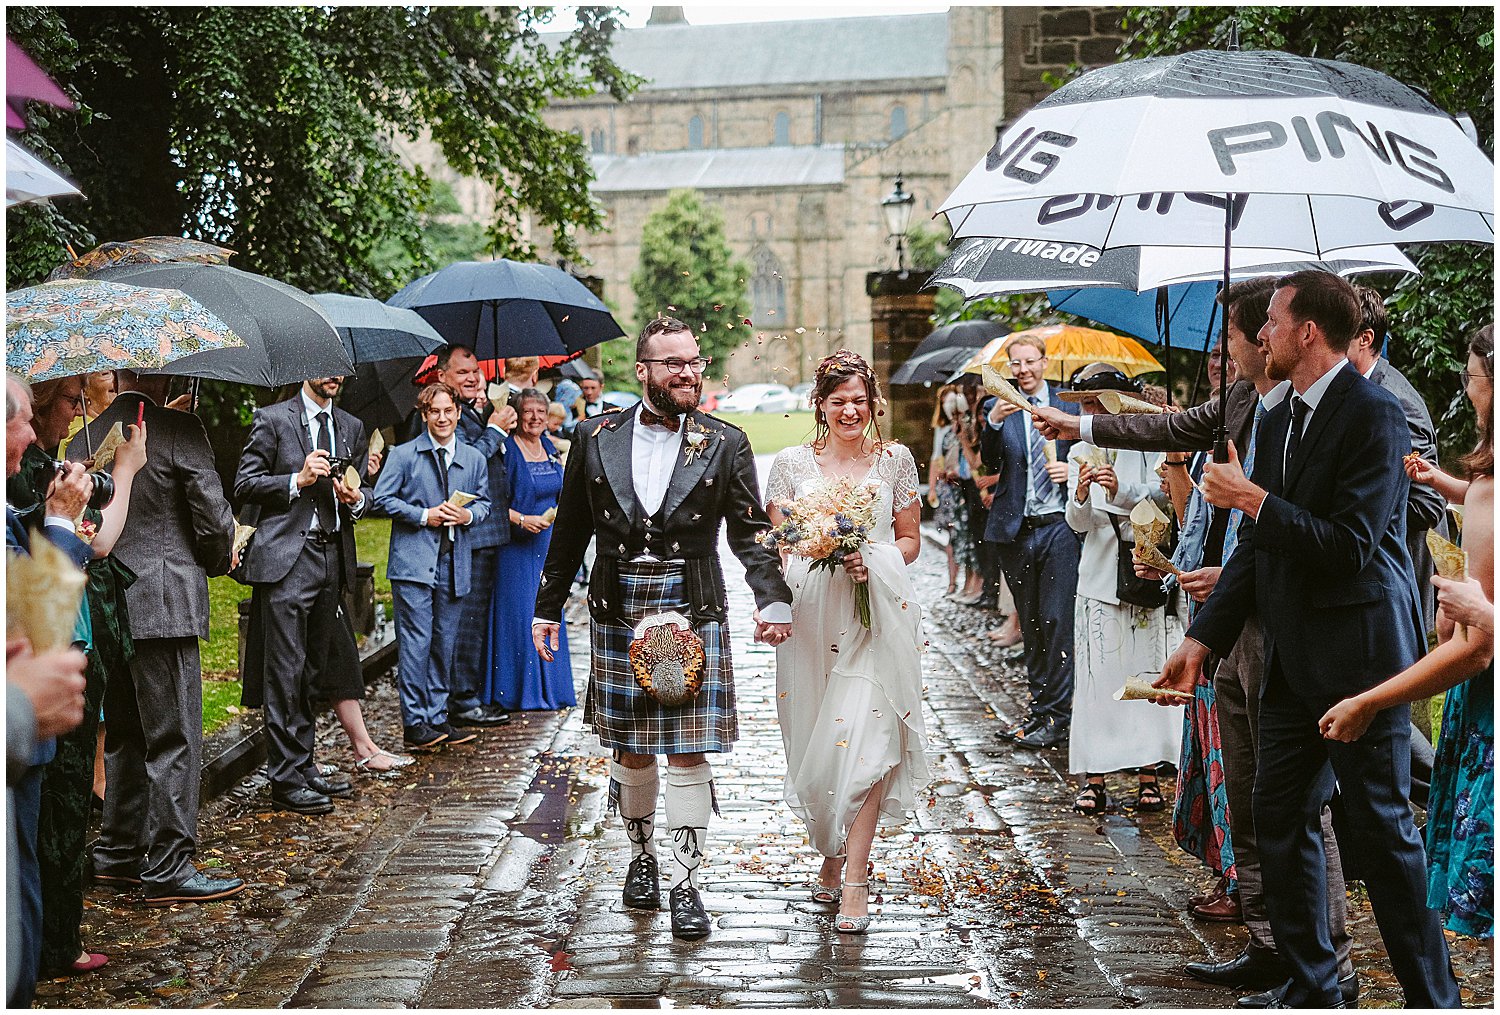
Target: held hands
column 771, row 634
column 1225, row 485
column 1056, row 425
column 544, row 637
column 1348, row 720
column 69, row 491
column 314, row 468
column 1183, row 670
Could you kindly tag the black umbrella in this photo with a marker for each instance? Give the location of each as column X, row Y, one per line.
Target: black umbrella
column 577, row 369
column 959, row 335
column 288, row 338
column 382, row 393
column 508, row 308
column 933, row 367
column 378, row 331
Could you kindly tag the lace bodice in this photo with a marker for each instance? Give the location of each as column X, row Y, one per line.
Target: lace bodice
column 795, row 471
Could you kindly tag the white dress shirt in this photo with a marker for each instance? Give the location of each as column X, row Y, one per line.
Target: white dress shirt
column 310, row 410
column 448, row 452
column 653, row 456
column 1312, row 396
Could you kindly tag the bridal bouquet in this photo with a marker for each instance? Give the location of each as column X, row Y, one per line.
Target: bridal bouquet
column 825, row 526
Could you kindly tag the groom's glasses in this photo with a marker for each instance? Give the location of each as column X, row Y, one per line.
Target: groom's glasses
column 677, row 366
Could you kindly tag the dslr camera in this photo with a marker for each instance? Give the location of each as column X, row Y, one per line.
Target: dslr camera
column 103, row 486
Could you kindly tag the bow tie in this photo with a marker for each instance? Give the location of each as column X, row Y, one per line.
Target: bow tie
column 652, row 419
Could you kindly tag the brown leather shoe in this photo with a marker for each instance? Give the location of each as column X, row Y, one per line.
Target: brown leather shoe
column 1224, row 909
column 1217, row 891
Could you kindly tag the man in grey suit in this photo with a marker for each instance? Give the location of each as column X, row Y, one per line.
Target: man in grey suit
column 430, row 561
column 303, row 546
column 1425, row 507
column 179, row 532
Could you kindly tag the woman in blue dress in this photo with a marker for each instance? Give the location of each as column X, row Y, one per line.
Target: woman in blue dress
column 517, row 678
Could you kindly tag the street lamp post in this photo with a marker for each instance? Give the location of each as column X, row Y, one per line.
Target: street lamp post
column 896, row 208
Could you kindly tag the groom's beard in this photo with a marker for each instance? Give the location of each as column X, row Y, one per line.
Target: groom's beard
column 674, row 398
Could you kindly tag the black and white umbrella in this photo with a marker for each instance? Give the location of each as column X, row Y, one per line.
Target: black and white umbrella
column 1289, row 152
column 1224, row 151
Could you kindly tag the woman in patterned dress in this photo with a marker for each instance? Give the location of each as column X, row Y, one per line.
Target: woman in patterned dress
column 850, row 697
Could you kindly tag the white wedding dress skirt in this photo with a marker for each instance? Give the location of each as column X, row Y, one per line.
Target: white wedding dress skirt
column 850, row 699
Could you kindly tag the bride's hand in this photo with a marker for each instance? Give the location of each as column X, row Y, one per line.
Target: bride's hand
column 854, row 567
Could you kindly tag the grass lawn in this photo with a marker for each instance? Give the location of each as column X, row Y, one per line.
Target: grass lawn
column 221, row 686
column 769, row 432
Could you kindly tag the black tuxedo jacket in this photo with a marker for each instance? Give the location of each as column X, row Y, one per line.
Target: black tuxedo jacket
column 1326, row 566
column 279, row 443
column 598, row 501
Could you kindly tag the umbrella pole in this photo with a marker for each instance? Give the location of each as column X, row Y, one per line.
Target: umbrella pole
column 1221, row 432
column 1164, row 324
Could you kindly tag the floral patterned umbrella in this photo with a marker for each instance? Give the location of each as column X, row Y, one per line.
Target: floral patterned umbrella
column 62, row 329
column 146, row 250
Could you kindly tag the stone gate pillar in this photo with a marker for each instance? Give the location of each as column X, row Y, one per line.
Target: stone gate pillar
column 900, row 317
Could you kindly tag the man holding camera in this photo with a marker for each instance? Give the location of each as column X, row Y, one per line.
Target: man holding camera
column 179, row 531
column 293, row 476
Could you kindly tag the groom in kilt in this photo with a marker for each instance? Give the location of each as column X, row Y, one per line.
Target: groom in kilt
column 652, row 484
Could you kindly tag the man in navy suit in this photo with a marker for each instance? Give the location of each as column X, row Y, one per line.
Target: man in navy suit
column 430, row 562
column 1321, row 556
column 1038, row 551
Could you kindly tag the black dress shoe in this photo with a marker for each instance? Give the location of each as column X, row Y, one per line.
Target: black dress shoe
column 422, row 737
column 330, row 785
column 198, row 888
column 985, row 603
column 689, row 921
column 643, row 883
column 455, row 735
column 1049, row 735
column 120, row 878
column 1253, row 967
column 1276, row 996
column 1023, row 729
column 481, row 715
column 302, row 800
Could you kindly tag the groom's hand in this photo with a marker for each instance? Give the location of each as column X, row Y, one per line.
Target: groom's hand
column 544, row 637
column 773, row 634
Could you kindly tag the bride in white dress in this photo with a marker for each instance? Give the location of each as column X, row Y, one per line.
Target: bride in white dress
column 850, row 699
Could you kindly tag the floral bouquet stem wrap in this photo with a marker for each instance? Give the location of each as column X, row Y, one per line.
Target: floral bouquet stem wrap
column 825, row 526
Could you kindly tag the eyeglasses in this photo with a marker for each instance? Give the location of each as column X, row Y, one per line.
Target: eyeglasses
column 677, row 366
column 1017, row 364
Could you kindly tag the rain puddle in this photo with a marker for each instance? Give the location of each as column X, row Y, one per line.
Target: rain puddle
column 973, row 982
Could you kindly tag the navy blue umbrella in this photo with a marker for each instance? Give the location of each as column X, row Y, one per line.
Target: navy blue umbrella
column 509, row 308
column 1191, row 312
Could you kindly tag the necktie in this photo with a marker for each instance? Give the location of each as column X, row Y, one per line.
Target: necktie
column 1041, row 482
column 652, row 419
column 328, row 516
column 1294, row 437
column 1232, row 537
column 442, row 467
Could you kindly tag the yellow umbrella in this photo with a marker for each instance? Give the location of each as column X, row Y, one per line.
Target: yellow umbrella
column 1068, row 348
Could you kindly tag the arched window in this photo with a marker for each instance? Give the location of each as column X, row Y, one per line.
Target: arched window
column 783, row 129
column 597, row 141
column 767, row 288
column 695, row 132
column 898, row 122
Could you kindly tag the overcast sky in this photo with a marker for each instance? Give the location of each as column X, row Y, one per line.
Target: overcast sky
column 726, row 13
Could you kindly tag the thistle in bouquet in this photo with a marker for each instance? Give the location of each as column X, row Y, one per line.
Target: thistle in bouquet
column 825, row 526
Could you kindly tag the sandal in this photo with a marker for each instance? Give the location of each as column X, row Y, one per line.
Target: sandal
column 1148, row 796
column 1091, row 800
column 827, row 893
column 853, row 924
column 395, row 762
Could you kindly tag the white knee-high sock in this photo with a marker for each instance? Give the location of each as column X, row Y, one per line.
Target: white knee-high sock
column 637, row 802
column 689, row 803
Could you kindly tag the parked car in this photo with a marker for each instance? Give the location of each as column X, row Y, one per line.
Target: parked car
column 760, row 398
column 803, row 392
column 710, row 400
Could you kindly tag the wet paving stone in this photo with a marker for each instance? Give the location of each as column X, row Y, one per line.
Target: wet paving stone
column 488, row 876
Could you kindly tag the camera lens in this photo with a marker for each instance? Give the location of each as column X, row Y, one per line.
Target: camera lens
column 104, row 491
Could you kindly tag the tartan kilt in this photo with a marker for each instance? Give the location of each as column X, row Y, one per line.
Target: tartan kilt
column 626, row 717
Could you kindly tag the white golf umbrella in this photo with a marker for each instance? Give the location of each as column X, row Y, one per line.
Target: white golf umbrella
column 28, row 178
column 1221, row 150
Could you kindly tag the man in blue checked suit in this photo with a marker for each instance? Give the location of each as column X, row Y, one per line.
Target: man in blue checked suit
column 1038, row 551
column 431, row 560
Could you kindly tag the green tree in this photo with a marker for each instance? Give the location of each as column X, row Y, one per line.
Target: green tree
column 688, row 272
column 1449, row 53
column 273, row 130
